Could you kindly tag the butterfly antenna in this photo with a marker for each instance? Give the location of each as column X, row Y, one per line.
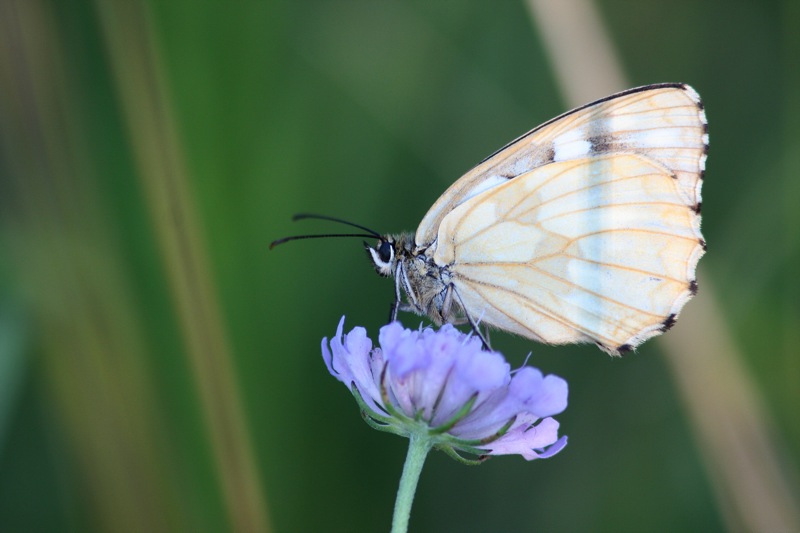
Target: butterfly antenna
column 372, row 234
column 302, row 216
column 275, row 243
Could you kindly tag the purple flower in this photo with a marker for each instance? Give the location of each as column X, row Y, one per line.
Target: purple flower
column 443, row 385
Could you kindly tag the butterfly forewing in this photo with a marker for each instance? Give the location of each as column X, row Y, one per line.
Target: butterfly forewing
column 585, row 229
column 664, row 122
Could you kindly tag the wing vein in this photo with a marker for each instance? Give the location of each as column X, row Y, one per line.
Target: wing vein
column 578, row 258
column 609, row 206
column 537, row 308
column 567, row 282
column 637, row 230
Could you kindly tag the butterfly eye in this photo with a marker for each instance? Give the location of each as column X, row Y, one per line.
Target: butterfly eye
column 385, row 251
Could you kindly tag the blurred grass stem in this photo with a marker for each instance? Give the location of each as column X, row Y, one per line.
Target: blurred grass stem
column 136, row 63
column 56, row 232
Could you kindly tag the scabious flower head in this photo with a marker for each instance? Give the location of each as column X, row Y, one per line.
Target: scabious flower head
column 440, row 383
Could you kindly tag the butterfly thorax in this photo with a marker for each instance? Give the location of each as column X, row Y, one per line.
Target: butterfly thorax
column 423, row 281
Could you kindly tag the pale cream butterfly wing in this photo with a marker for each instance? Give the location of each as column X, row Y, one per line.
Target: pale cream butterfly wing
column 587, row 228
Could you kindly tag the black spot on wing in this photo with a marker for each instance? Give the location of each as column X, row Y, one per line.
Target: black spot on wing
column 693, row 287
column 620, row 350
column 698, row 208
column 624, row 348
column 549, row 155
column 599, row 144
column 669, row 322
column 702, row 244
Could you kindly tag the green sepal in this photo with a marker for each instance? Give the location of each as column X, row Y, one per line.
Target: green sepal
column 386, row 428
column 458, row 457
column 491, row 438
column 365, row 409
column 464, row 411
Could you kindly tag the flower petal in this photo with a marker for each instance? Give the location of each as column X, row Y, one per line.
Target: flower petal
column 525, row 439
column 542, row 395
column 485, row 376
column 350, row 363
column 339, row 371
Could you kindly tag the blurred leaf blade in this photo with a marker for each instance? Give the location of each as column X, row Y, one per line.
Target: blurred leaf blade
column 145, row 101
column 70, row 272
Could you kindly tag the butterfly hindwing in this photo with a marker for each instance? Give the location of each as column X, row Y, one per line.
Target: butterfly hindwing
column 600, row 249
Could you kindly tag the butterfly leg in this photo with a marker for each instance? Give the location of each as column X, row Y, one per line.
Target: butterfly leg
column 397, row 304
column 447, row 304
column 398, row 298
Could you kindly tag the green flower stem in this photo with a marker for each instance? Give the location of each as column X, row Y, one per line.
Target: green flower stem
column 418, row 448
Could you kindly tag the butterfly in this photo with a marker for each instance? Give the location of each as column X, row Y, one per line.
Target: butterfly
column 584, row 229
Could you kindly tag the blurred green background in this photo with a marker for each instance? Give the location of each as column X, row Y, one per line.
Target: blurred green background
column 160, row 368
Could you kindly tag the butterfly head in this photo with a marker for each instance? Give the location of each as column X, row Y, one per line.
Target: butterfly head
column 383, row 255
